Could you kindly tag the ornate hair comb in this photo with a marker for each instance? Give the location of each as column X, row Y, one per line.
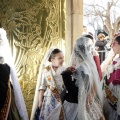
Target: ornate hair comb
column 117, row 34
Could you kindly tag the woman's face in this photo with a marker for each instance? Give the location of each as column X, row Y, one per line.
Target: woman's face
column 116, row 47
column 101, row 39
column 58, row 60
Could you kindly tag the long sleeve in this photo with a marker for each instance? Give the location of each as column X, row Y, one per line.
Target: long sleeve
column 72, row 89
column 43, row 83
column 101, row 43
column 4, row 81
column 69, row 83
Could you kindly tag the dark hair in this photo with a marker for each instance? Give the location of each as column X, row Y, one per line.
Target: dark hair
column 90, row 33
column 54, row 52
column 118, row 39
column 89, row 36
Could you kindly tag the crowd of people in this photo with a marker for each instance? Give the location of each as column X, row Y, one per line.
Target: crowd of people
column 81, row 91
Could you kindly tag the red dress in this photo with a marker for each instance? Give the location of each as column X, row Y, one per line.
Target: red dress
column 114, row 77
column 112, row 106
column 97, row 62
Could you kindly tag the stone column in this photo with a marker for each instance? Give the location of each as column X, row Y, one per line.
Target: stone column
column 74, row 24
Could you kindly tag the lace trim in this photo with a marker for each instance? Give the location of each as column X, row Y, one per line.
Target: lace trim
column 111, row 68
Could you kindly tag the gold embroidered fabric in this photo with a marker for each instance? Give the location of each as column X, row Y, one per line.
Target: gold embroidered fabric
column 5, row 109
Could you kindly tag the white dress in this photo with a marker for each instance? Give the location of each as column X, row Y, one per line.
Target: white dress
column 71, row 110
column 89, row 106
column 51, row 107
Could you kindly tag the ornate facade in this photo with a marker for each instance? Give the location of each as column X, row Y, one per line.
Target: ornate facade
column 33, row 26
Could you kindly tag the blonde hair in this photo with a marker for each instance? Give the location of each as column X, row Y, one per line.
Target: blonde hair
column 101, row 35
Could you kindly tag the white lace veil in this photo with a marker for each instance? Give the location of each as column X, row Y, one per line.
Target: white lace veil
column 43, row 64
column 82, row 55
column 107, row 61
column 5, row 52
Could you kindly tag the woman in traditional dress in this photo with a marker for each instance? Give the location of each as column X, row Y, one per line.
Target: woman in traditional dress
column 71, row 96
column 87, row 80
column 111, row 79
column 8, row 109
column 13, row 106
column 49, row 87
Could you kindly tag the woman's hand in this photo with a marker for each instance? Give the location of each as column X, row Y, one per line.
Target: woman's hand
column 72, row 69
column 41, row 92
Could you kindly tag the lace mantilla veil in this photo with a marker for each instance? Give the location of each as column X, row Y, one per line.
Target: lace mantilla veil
column 82, row 60
column 5, row 52
column 43, row 64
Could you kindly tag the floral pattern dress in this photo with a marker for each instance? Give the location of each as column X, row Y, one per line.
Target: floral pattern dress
column 51, row 108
